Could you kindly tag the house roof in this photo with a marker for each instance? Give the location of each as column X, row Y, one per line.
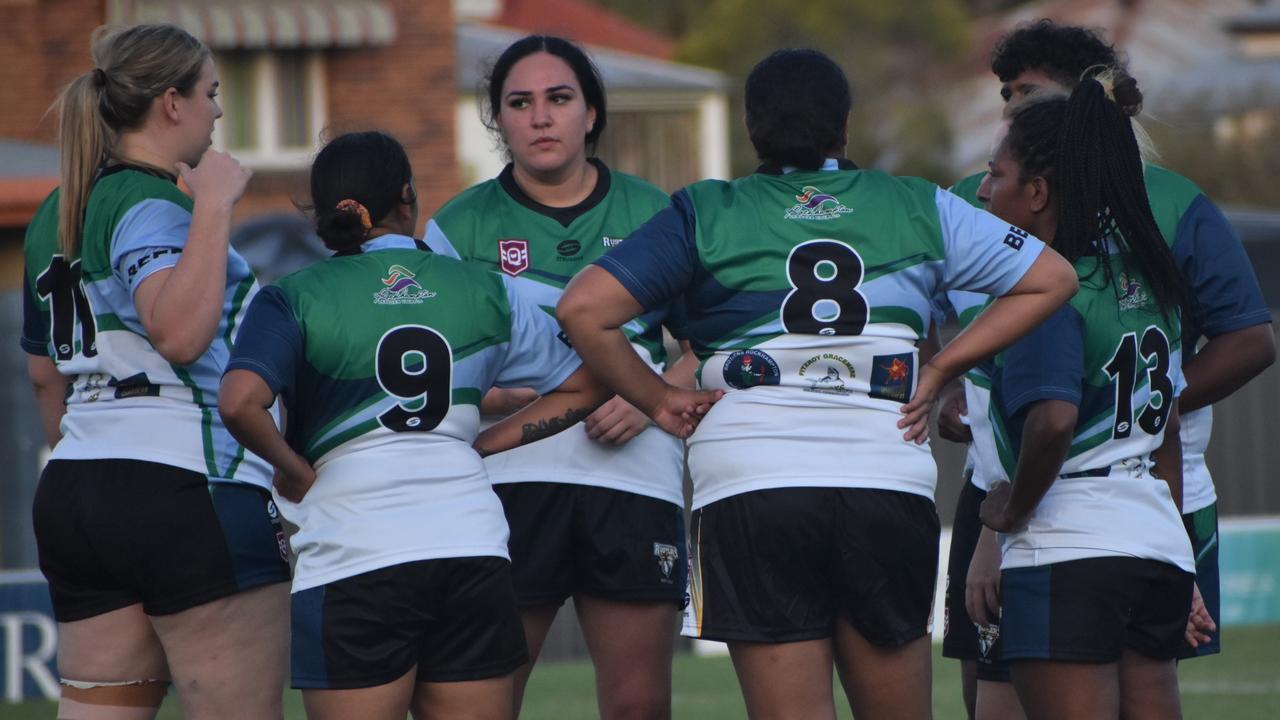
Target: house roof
column 585, row 23
column 477, row 46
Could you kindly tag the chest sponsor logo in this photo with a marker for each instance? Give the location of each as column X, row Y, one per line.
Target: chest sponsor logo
column 1132, row 296
column 891, row 376
column 513, row 256
column 667, row 556
column 824, row 376
column 569, row 250
column 813, row 204
column 611, row 242
column 399, row 288
column 749, row 368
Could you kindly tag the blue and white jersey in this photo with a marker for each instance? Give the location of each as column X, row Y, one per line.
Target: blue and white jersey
column 126, row 400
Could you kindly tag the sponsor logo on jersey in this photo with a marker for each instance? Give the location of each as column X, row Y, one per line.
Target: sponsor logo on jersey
column 282, row 544
column 667, row 556
column 826, row 378
column 513, row 256
column 748, row 368
column 1016, row 237
column 569, row 250
column 1132, row 296
column 612, row 241
column 399, row 288
column 813, row 204
column 891, row 376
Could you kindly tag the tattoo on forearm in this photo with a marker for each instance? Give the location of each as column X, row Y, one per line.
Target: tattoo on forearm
column 548, row 427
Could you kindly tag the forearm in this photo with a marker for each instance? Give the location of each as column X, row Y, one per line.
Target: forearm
column 1168, row 457
column 50, row 387
column 1225, row 364
column 613, row 361
column 1004, row 321
column 550, row 414
column 255, row 429
column 187, row 308
column 1045, row 444
column 683, row 372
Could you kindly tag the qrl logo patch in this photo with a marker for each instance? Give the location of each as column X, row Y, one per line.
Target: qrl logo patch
column 514, row 256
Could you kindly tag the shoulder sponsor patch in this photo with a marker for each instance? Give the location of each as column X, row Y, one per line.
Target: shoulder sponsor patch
column 749, row 368
column 891, row 376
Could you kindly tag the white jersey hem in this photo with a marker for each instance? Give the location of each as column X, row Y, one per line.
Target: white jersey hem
column 306, row 581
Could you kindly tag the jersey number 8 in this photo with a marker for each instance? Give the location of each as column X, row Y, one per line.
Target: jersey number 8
column 414, row 364
column 824, row 297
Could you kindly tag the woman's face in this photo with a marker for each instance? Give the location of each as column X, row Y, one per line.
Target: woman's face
column 198, row 112
column 1004, row 193
column 543, row 115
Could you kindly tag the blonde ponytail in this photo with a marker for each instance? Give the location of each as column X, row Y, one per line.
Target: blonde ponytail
column 84, row 139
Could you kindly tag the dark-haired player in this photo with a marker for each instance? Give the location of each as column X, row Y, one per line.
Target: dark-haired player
column 1227, row 309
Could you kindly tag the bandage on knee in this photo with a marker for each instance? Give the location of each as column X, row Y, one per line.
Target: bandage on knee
column 127, row 693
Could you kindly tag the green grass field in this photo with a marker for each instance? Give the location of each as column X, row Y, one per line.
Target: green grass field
column 1243, row 684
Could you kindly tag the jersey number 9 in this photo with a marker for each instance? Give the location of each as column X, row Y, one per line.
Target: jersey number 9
column 824, row 297
column 414, row 364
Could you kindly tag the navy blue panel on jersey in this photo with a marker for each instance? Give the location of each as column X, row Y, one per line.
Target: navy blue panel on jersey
column 1046, row 364
column 270, row 341
column 660, row 258
column 35, row 327
column 1225, row 290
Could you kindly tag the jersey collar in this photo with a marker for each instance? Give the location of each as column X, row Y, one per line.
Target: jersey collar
column 565, row 216
column 388, row 242
column 109, row 170
column 828, row 165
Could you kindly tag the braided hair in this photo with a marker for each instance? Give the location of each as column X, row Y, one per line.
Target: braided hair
column 1084, row 147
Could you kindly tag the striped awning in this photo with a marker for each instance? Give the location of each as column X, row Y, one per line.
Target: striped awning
column 255, row 24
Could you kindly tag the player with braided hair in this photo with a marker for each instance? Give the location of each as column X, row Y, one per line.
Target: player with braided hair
column 1097, row 571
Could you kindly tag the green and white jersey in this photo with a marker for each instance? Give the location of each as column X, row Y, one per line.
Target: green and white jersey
column 381, row 358
column 126, row 401
column 1111, row 353
column 1226, row 295
column 539, row 249
column 807, row 293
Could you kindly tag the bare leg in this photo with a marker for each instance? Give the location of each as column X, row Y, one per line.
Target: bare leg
column 784, row 681
column 488, row 699
column 998, row 701
column 884, row 683
column 1051, row 690
column 115, row 647
column 229, row 657
column 382, row 702
column 631, row 644
column 969, row 686
column 537, row 623
column 1148, row 688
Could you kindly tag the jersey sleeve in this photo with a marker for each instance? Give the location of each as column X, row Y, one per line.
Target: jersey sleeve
column 984, row 254
column 1225, row 289
column 149, row 238
column 438, row 241
column 658, row 260
column 537, row 356
column 35, row 326
column 270, row 342
column 1046, row 364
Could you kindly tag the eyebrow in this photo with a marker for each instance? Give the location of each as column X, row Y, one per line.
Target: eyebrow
column 553, row 88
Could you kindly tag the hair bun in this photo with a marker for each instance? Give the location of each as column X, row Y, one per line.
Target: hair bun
column 1126, row 94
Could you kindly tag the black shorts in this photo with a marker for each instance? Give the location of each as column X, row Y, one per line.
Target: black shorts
column 1091, row 610
column 113, row 533
column 781, row 565
column 959, row 634
column 1202, row 528
column 453, row 618
column 571, row 539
